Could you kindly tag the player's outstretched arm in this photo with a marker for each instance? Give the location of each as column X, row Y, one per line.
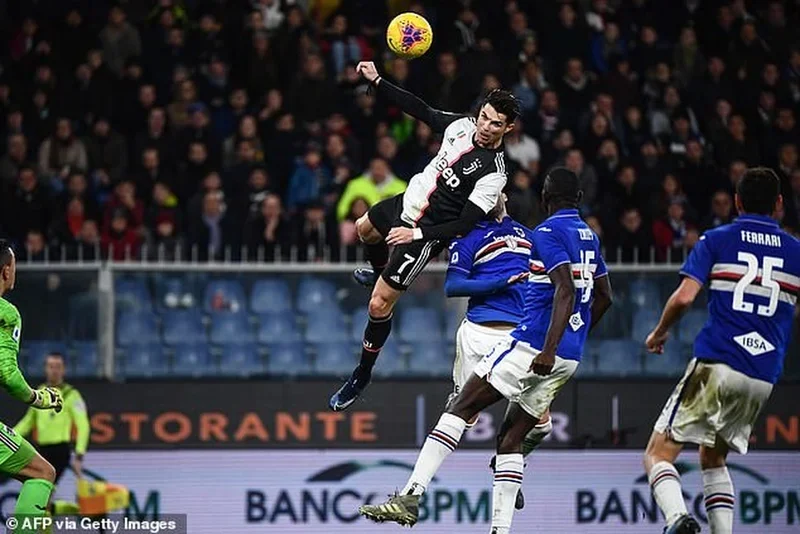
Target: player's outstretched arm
column 471, row 215
column 678, row 303
column 459, row 284
column 563, row 304
column 602, row 299
column 11, row 378
column 409, row 103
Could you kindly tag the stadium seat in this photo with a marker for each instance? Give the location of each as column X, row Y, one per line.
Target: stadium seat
column 85, row 360
column 314, row 294
column 144, row 361
column 231, row 328
column 670, row 364
column 277, row 327
column 392, row 362
column 288, row 359
column 644, row 293
column 183, row 326
column 357, row 324
column 690, row 325
column 270, row 296
column 193, row 360
column 34, row 354
column 132, row 294
column 452, row 321
column 83, row 315
column 617, row 357
column 223, row 296
column 334, row 359
column 587, row 368
column 135, row 328
column 326, row 325
column 430, row 359
column 644, row 320
column 420, row 325
column 614, row 324
column 241, row 360
column 174, row 292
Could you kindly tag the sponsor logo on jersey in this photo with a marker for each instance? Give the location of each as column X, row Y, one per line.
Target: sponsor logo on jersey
column 754, row 343
column 575, row 322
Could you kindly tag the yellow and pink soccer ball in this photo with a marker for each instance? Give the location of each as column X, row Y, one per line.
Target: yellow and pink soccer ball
column 409, row 35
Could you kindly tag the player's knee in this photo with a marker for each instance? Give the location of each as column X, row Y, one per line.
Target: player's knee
column 366, row 231
column 710, row 458
column 45, row 470
column 380, row 305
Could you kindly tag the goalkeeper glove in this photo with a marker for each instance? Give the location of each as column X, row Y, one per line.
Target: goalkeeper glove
column 47, row 398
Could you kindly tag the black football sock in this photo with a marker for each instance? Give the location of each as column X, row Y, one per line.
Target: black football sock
column 377, row 256
column 375, row 336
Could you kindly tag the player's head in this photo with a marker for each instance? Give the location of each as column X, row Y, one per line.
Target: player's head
column 8, row 267
column 496, row 115
column 759, row 192
column 498, row 212
column 562, row 190
column 54, row 368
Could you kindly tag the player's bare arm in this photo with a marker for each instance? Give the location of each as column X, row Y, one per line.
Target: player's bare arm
column 678, row 303
column 602, row 299
column 563, row 304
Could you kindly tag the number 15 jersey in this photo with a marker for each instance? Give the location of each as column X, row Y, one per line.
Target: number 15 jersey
column 562, row 239
column 754, row 271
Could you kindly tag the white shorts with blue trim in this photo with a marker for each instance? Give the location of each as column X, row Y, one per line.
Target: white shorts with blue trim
column 506, row 369
column 713, row 401
column 473, row 343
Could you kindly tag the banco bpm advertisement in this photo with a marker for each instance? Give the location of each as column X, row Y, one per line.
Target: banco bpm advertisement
column 320, row 491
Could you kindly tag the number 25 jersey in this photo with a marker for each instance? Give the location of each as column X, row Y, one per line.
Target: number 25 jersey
column 753, row 270
column 562, row 239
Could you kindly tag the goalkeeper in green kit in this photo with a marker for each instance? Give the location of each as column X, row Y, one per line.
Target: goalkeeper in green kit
column 18, row 458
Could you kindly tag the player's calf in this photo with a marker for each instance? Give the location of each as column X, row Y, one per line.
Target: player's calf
column 665, row 481
column 717, row 488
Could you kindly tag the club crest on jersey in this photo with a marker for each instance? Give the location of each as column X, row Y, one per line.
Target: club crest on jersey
column 576, row 322
column 754, row 343
column 472, row 167
column 511, row 242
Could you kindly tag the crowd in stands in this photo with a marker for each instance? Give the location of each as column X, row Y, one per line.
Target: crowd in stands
column 219, row 129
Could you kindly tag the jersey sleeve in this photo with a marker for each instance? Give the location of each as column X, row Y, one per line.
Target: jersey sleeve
column 700, row 261
column 601, row 270
column 487, row 190
column 549, row 248
column 461, row 256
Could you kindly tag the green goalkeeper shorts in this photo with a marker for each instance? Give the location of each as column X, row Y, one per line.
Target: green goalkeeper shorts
column 15, row 451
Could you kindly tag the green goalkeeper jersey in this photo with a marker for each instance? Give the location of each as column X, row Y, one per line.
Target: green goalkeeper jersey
column 11, row 378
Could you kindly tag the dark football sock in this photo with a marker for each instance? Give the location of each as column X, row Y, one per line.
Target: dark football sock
column 375, row 336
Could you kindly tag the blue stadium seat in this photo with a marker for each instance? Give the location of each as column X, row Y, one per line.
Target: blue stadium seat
column 277, row 327
column 174, row 292
column 617, row 357
column 83, row 315
column 357, row 324
column 326, row 325
column 420, row 325
column 644, row 293
column 241, row 360
column 132, row 294
column 690, row 325
column 231, row 328
column 392, row 362
column 614, row 324
column 314, row 294
column 135, row 328
column 231, row 294
column 144, row 361
column 644, row 320
column 288, row 359
column 193, row 359
column 452, row 323
column 183, row 326
column 334, row 359
column 430, row 359
column 34, row 354
column 84, row 362
column 270, row 296
column 588, row 365
column 670, row 364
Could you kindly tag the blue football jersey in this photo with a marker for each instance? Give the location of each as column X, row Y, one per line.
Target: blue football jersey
column 753, row 270
column 561, row 239
column 490, row 251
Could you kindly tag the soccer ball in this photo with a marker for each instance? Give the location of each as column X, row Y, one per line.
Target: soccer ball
column 409, row 35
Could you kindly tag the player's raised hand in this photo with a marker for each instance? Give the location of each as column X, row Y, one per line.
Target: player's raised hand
column 367, row 70
column 400, row 235
column 47, row 398
column 655, row 342
column 519, row 277
column 543, row 363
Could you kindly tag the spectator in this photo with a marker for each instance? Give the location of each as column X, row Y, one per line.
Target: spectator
column 688, row 59
column 606, row 45
column 163, row 223
column 315, row 236
column 120, row 40
column 107, row 152
column 78, row 187
column 67, row 228
column 35, row 250
column 28, row 207
column 178, row 110
column 670, row 233
column 152, row 171
column 575, row 162
column 258, row 187
column 523, row 204
column 310, row 179
column 632, row 241
column 87, row 245
column 377, row 184
column 62, row 153
column 120, row 241
column 246, row 131
column 211, row 231
column 124, row 201
column 736, row 144
column 722, row 211
column 267, row 230
column 522, row 149
column 529, row 88
column 16, row 156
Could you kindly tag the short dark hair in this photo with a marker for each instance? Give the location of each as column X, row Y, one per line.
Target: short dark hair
column 561, row 185
column 6, row 253
column 57, row 354
column 758, row 190
column 503, row 102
